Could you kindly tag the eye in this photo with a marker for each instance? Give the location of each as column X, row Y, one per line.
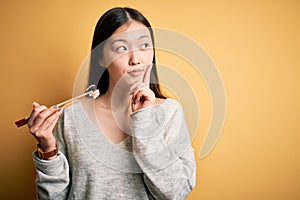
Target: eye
column 145, row 46
column 121, row 49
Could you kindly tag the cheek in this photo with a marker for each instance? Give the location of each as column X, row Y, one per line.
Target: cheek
column 118, row 66
column 149, row 56
column 111, row 58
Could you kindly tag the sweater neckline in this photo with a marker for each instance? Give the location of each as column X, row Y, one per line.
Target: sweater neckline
column 99, row 147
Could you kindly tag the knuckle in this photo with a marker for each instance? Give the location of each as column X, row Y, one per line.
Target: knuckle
column 39, row 135
column 47, row 122
column 33, row 130
column 40, row 118
column 40, row 115
column 43, row 115
column 43, row 107
column 53, row 118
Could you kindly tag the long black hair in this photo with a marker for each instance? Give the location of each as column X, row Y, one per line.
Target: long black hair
column 108, row 23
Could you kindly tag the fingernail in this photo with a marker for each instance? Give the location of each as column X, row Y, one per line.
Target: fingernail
column 55, row 106
column 133, row 101
column 61, row 110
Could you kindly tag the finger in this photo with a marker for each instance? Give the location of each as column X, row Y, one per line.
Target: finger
column 135, row 87
column 147, row 74
column 144, row 94
column 138, row 89
column 43, row 116
column 37, row 129
column 51, row 127
column 50, row 122
column 45, row 131
column 139, row 95
column 140, row 86
column 35, row 112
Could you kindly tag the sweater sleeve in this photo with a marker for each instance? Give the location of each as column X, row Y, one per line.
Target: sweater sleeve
column 52, row 179
column 162, row 148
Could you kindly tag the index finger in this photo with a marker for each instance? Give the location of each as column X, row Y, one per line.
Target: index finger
column 37, row 108
column 147, row 74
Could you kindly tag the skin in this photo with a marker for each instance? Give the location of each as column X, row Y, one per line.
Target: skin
column 128, row 55
column 129, row 48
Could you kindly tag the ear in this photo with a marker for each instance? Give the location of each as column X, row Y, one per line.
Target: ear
column 101, row 62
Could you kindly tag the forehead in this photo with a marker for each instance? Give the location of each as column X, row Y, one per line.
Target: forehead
column 131, row 31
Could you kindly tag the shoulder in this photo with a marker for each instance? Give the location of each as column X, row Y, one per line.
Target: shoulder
column 169, row 106
column 167, row 102
column 158, row 101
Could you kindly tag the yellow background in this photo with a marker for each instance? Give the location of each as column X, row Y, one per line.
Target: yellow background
column 255, row 45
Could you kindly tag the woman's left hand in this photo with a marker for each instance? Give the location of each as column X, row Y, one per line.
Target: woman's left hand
column 142, row 95
column 130, row 94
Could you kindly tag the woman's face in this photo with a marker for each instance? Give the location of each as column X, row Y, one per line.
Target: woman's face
column 128, row 50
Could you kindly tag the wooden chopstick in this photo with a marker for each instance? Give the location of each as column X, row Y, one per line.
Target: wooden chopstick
column 63, row 104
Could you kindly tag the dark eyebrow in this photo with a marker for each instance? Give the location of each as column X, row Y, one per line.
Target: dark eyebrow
column 118, row 40
column 123, row 40
column 143, row 36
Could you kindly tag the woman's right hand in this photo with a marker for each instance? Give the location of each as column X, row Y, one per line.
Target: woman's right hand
column 41, row 124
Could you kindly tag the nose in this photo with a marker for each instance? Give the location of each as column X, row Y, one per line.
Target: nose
column 134, row 58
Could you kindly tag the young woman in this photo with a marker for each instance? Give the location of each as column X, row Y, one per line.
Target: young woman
column 129, row 143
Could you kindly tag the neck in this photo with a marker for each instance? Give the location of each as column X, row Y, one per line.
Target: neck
column 110, row 89
column 105, row 99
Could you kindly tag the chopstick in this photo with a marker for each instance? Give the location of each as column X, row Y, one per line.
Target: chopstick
column 63, row 104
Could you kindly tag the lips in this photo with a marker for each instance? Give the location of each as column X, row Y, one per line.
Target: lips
column 136, row 71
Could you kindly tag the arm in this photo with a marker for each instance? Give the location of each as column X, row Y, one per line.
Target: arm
column 162, row 148
column 52, row 175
